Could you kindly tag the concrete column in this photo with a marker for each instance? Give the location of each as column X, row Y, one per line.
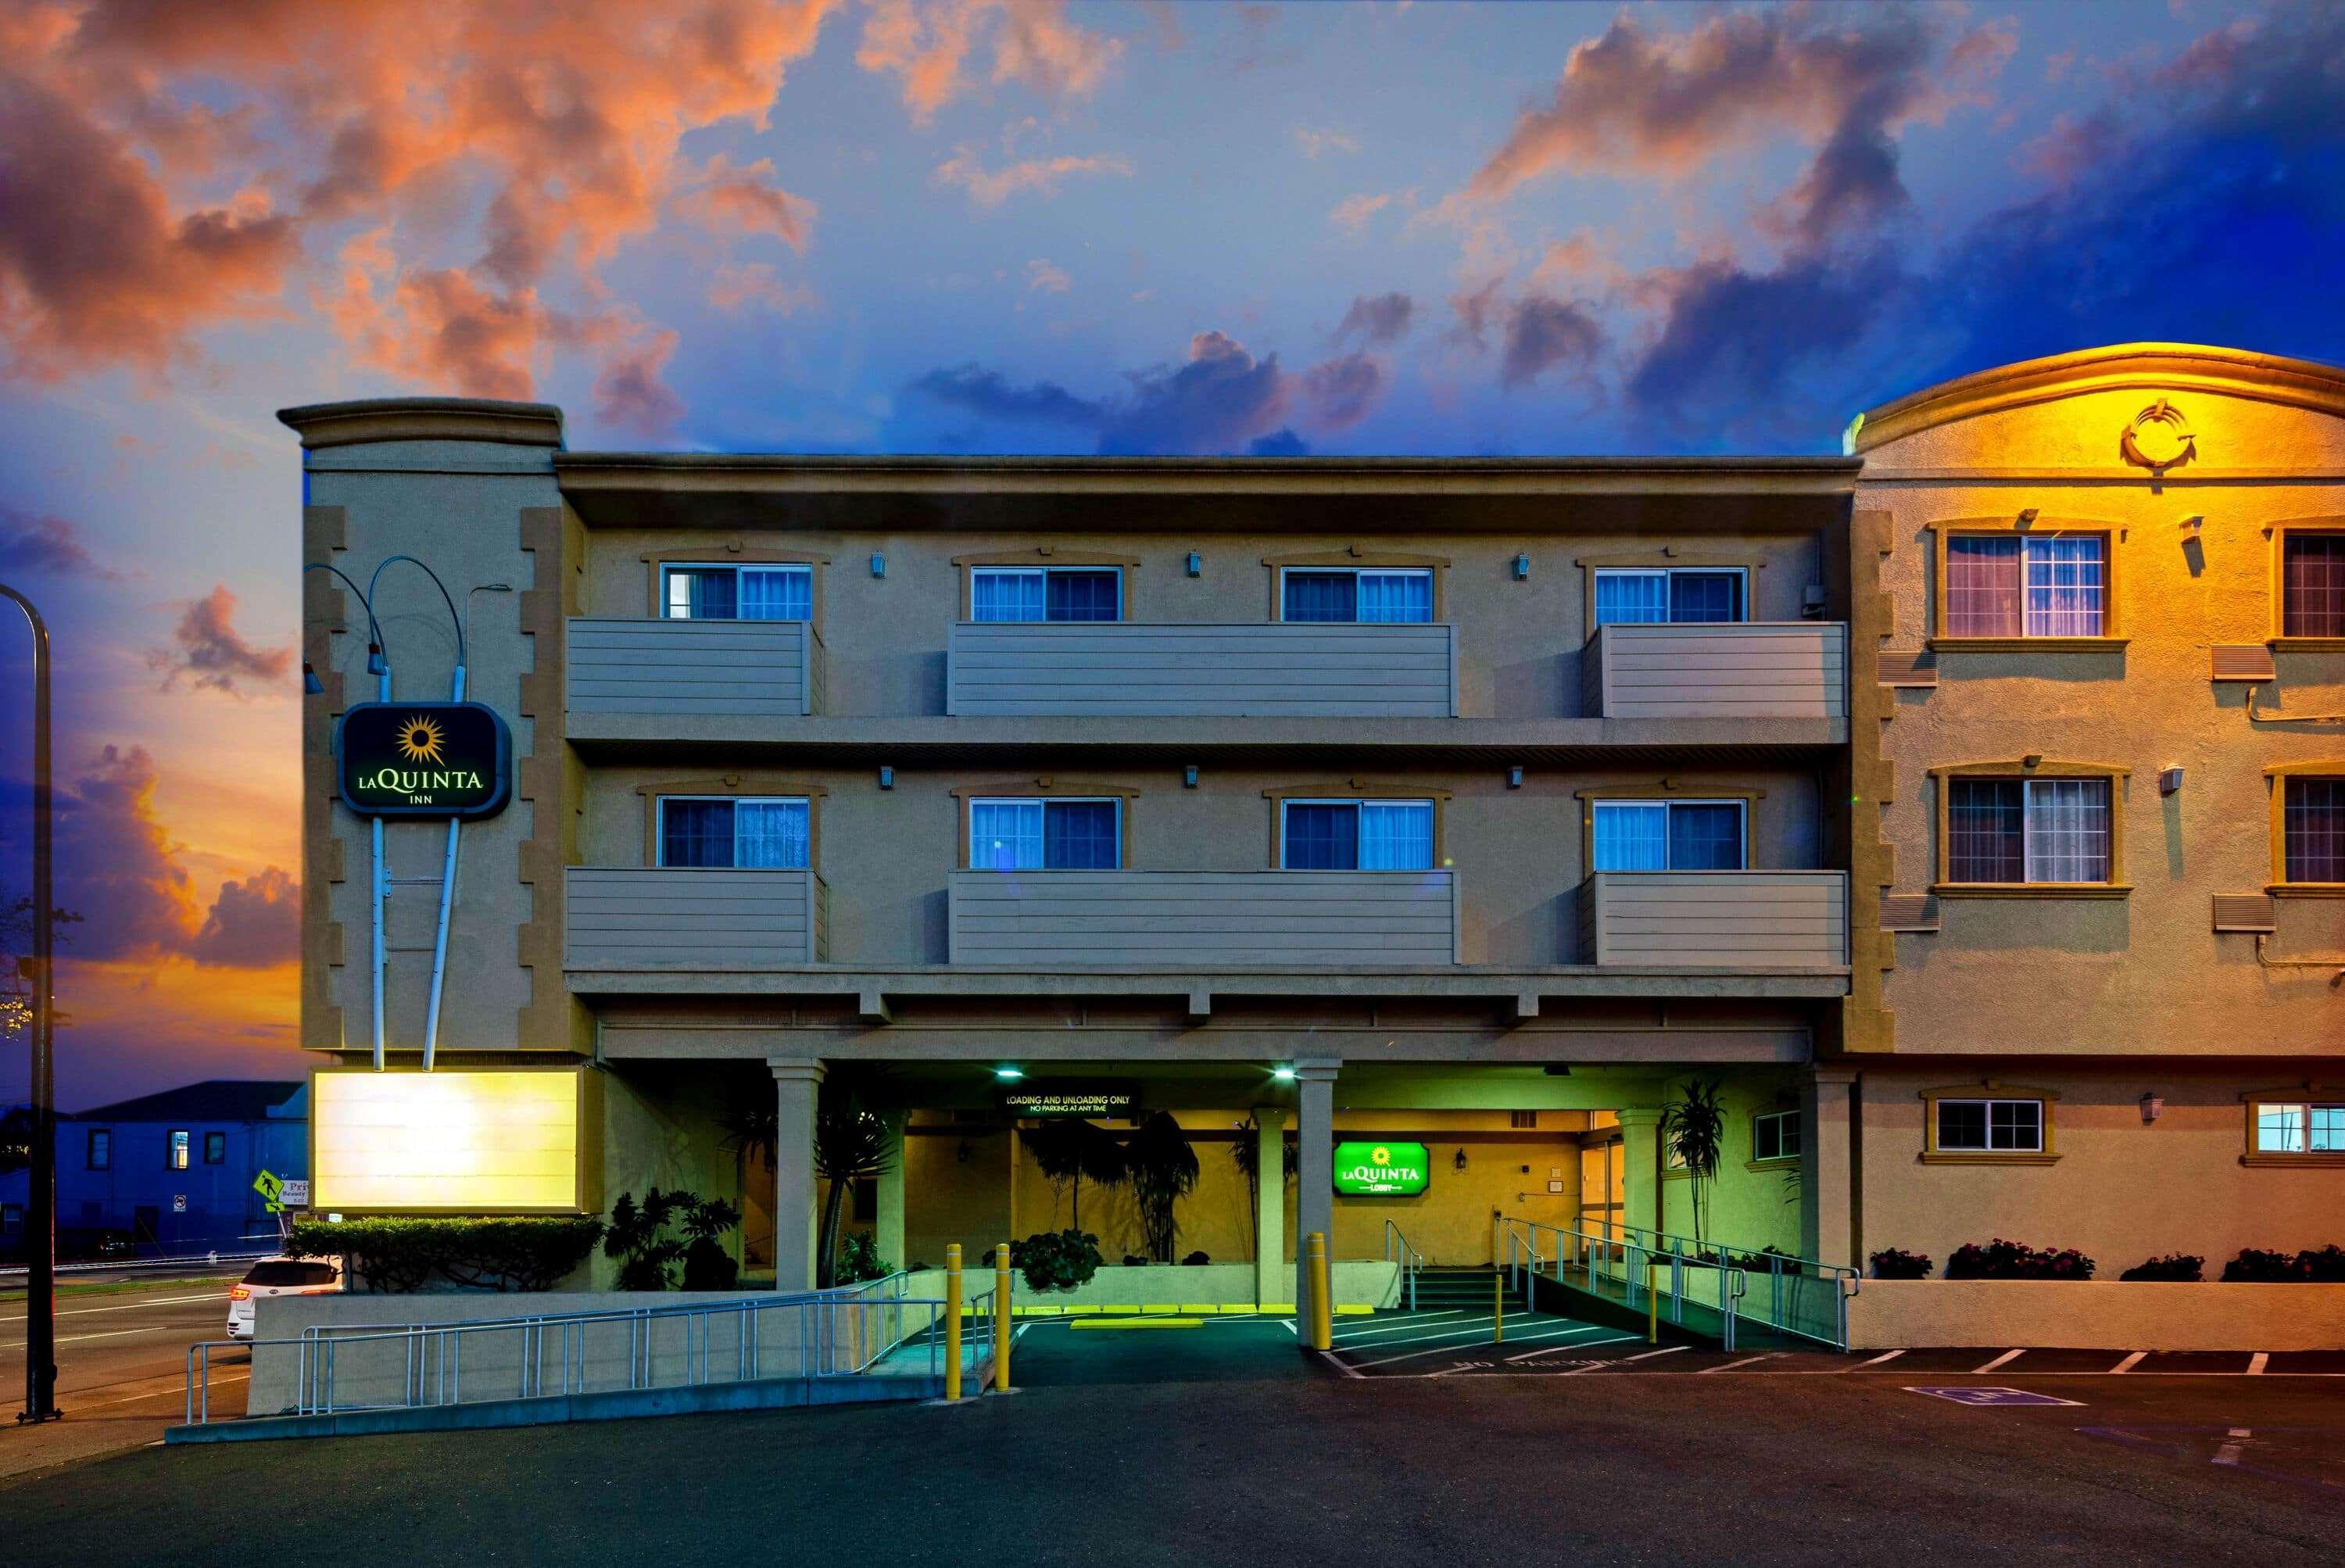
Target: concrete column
column 1640, row 1170
column 796, row 1080
column 1314, row 1164
column 1270, row 1225
column 1827, row 1173
column 888, row 1223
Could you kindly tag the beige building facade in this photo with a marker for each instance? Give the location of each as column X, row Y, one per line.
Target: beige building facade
column 1484, row 804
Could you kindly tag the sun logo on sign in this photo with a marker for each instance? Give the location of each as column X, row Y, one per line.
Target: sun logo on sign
column 1380, row 1155
column 419, row 739
column 2158, row 438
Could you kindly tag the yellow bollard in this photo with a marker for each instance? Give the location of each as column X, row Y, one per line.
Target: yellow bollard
column 952, row 1320
column 1653, row 1303
column 1499, row 1308
column 1323, row 1331
column 1001, row 1319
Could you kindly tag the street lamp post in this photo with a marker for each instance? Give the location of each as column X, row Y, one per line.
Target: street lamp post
column 41, row 1224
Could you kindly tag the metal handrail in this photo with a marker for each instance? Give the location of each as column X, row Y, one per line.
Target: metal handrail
column 1398, row 1250
column 1779, row 1268
column 430, row 1357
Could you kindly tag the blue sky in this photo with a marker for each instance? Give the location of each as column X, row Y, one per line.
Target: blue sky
column 1005, row 225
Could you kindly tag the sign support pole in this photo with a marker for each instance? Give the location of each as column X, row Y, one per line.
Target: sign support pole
column 447, row 899
column 41, row 1180
column 378, row 890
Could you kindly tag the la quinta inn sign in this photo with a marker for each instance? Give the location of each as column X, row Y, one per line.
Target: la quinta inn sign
column 1381, row 1170
column 438, row 759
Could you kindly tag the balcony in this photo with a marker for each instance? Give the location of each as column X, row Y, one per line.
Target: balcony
column 693, row 669
column 1727, row 920
column 1736, row 669
column 1281, row 669
column 653, row 918
column 1203, row 920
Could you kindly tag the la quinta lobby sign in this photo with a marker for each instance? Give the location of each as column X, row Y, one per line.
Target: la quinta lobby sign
column 1382, row 1170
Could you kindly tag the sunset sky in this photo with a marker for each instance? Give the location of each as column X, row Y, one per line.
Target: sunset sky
column 997, row 225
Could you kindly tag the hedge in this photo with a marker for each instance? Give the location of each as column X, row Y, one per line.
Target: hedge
column 398, row 1256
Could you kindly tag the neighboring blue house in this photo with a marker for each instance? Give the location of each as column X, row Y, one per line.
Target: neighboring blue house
column 170, row 1173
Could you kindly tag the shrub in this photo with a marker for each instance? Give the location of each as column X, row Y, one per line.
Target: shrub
column 1196, row 1257
column 859, row 1260
column 1893, row 1263
column 2001, row 1259
column 1056, row 1262
column 2179, row 1267
column 1134, row 1260
column 638, row 1235
column 399, row 1255
column 2256, row 1267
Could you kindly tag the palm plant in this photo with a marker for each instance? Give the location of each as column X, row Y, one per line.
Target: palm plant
column 1163, row 1171
column 1072, row 1150
column 1693, row 1127
column 852, row 1142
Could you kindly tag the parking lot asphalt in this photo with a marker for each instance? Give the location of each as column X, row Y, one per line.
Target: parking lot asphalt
column 1611, row 1468
column 122, row 1356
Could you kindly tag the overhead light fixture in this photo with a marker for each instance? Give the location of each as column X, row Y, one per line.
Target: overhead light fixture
column 1196, row 564
column 1284, row 1075
column 1008, row 1074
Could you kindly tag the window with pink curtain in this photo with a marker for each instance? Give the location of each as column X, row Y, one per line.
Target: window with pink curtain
column 2312, row 586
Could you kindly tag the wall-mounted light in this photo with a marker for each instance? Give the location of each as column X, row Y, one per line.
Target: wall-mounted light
column 1522, row 568
column 886, row 777
column 878, row 564
column 1812, row 602
column 1514, row 778
column 1189, row 777
column 2027, row 515
column 1282, row 1074
column 2192, row 524
column 1008, row 1074
column 310, row 684
column 1197, row 565
column 2169, row 780
column 2151, row 1105
column 1459, row 1163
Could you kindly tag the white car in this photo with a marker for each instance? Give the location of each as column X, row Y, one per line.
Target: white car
column 279, row 1277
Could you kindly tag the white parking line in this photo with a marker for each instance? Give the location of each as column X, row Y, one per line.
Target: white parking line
column 1624, row 1360
column 1459, row 1345
column 1562, row 1334
column 1999, row 1360
column 1884, row 1356
column 1341, row 1365
column 2130, row 1363
column 1744, row 1363
column 1469, row 1326
column 1582, row 1345
column 2258, row 1362
column 1417, row 1320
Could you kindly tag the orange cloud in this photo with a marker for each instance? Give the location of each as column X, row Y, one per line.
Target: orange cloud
column 743, row 200
column 992, row 187
column 1032, row 41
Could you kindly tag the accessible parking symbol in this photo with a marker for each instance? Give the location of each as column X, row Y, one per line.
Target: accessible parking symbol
column 1968, row 1396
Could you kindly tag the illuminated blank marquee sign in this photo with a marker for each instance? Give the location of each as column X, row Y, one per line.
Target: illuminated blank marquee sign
column 424, row 760
column 1382, row 1170
column 477, row 1143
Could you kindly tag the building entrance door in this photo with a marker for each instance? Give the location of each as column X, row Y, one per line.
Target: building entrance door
column 1602, row 1203
column 145, row 1225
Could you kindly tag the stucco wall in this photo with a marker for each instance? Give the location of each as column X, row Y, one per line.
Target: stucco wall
column 1754, row 1208
column 1888, row 1314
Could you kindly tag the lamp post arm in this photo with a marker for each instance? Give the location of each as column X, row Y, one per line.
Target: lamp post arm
column 453, row 619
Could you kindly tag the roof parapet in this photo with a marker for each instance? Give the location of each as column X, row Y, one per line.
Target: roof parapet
column 425, row 419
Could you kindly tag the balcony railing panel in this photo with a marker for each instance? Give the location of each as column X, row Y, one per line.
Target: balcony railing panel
column 728, row 668
column 1730, row 919
column 659, row 917
column 1734, row 669
column 1280, row 669
column 1184, row 920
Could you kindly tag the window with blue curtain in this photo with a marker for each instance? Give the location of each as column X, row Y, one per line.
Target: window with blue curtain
column 1397, row 596
column 1358, row 595
column 1045, row 835
column 771, row 833
column 702, row 592
column 1669, row 836
column 739, row 593
column 1395, row 835
column 1046, row 594
column 777, row 594
column 1631, row 598
column 1700, row 596
column 1320, row 596
column 1357, row 835
column 1668, row 595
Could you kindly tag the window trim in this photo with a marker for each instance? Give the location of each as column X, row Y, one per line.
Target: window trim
column 2276, row 786
column 1673, row 567
column 1587, row 811
column 2112, row 637
column 657, row 566
column 659, row 830
column 1356, row 789
column 2280, row 640
column 968, row 589
column 2032, row 768
column 176, row 1153
column 2252, row 1102
column 1042, row 789
column 1662, row 789
column 1668, row 558
column 1773, row 1162
column 1357, row 559
column 89, row 1150
column 969, row 822
column 1046, row 556
column 733, row 786
column 1989, row 1089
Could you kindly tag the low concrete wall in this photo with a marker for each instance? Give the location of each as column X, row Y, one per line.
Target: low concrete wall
column 1369, row 1282
column 1890, row 1314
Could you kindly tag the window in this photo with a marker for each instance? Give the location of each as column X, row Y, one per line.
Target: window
column 1669, row 836
column 1522, row 1118
column 2014, row 831
column 737, row 593
column 1374, row 593
column 1675, row 593
column 2312, row 586
column 215, row 1148
column 12, row 1219
column 2302, row 1129
column 1046, row 594
column 760, row 832
column 101, row 1148
column 174, row 1155
column 2034, row 585
column 1775, row 1135
column 2312, row 830
column 1989, row 1126
column 1073, row 835
column 1356, row 835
